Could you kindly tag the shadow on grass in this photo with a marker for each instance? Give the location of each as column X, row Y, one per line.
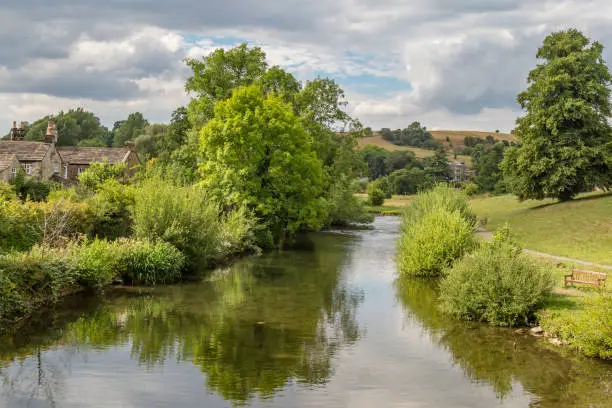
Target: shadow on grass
column 576, row 200
column 562, row 301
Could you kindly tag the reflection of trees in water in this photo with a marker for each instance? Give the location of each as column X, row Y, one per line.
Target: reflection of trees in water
column 499, row 357
column 251, row 328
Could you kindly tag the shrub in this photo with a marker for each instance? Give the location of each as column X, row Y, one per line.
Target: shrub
column 189, row 219
column 497, row 285
column 589, row 330
column 434, row 242
column 98, row 173
column 442, row 196
column 383, row 184
column 344, row 207
column 33, row 277
column 97, row 262
column 18, row 227
column 471, row 189
column 62, row 220
column 111, row 208
column 376, row 197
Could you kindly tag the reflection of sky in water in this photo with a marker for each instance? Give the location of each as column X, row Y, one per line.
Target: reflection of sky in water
column 393, row 364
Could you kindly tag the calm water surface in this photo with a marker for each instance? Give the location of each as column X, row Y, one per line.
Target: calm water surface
column 320, row 326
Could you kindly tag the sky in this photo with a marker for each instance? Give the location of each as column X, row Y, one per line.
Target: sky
column 450, row 64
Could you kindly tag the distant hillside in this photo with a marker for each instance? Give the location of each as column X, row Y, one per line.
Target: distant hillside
column 457, row 136
column 377, row 140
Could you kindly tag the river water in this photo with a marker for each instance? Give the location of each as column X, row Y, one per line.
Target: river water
column 322, row 325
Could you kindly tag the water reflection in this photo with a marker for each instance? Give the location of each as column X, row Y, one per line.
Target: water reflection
column 250, row 329
column 506, row 360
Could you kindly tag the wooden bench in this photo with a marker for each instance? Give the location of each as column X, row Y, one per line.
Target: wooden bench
column 596, row 279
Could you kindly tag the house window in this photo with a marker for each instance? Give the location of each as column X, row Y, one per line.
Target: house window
column 80, row 170
column 14, row 172
column 27, row 167
column 56, row 168
column 65, row 171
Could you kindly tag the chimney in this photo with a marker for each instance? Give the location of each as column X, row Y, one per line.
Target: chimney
column 51, row 135
column 17, row 133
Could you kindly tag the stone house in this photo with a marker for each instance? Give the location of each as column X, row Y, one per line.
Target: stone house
column 76, row 160
column 459, row 172
column 8, row 166
column 45, row 161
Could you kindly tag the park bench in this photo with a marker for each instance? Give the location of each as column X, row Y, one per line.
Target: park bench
column 596, row 279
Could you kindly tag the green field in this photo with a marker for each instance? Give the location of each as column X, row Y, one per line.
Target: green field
column 580, row 229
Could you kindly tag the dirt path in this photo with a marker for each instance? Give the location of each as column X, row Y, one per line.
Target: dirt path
column 489, row 236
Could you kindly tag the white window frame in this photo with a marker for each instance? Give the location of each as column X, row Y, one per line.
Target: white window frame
column 65, row 171
column 28, row 168
column 14, row 172
column 80, row 170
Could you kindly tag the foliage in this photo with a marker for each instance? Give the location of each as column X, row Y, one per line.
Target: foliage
column 255, row 152
column 376, row 160
column 588, row 330
column 30, row 188
column 442, row 196
column 73, row 127
column 414, row 135
column 496, row 284
column 565, row 138
column 99, row 172
column 30, row 278
column 150, row 263
column 376, row 197
column 17, row 225
column 486, row 160
column 344, row 207
column 111, row 208
column 402, row 159
column 471, row 189
column 129, row 129
column 434, row 242
column 437, row 166
column 189, row 219
column 149, row 143
column 410, row 181
column 383, row 184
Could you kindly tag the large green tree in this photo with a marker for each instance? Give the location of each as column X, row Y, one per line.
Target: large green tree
column 76, row 126
column 129, row 129
column 565, row 139
column 256, row 152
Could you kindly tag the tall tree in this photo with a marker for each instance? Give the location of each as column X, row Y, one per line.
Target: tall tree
column 256, row 152
column 130, row 129
column 565, row 139
column 437, row 165
column 75, row 127
column 216, row 75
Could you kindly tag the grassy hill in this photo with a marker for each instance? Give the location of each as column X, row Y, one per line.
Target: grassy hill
column 377, row 140
column 580, row 229
column 457, row 136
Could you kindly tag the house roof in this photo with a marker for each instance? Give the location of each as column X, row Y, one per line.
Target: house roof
column 7, row 160
column 86, row 155
column 25, row 151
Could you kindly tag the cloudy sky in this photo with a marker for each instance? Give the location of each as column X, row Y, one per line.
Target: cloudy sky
column 451, row 64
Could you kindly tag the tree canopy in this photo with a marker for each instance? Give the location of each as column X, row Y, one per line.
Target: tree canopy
column 75, row 127
column 565, row 139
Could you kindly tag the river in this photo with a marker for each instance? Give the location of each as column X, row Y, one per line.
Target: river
column 321, row 325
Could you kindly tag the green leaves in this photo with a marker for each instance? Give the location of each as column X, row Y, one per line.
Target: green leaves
column 565, row 128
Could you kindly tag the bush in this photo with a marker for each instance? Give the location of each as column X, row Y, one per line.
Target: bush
column 18, row 226
column 112, row 210
column 383, row 184
column 588, row 330
column 190, row 220
column 30, row 278
column 442, row 196
column 99, row 173
column 434, row 242
column 98, row 262
column 344, row 207
column 471, row 189
column 496, row 284
column 376, row 197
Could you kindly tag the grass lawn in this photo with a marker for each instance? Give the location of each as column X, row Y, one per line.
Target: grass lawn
column 391, row 206
column 580, row 229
